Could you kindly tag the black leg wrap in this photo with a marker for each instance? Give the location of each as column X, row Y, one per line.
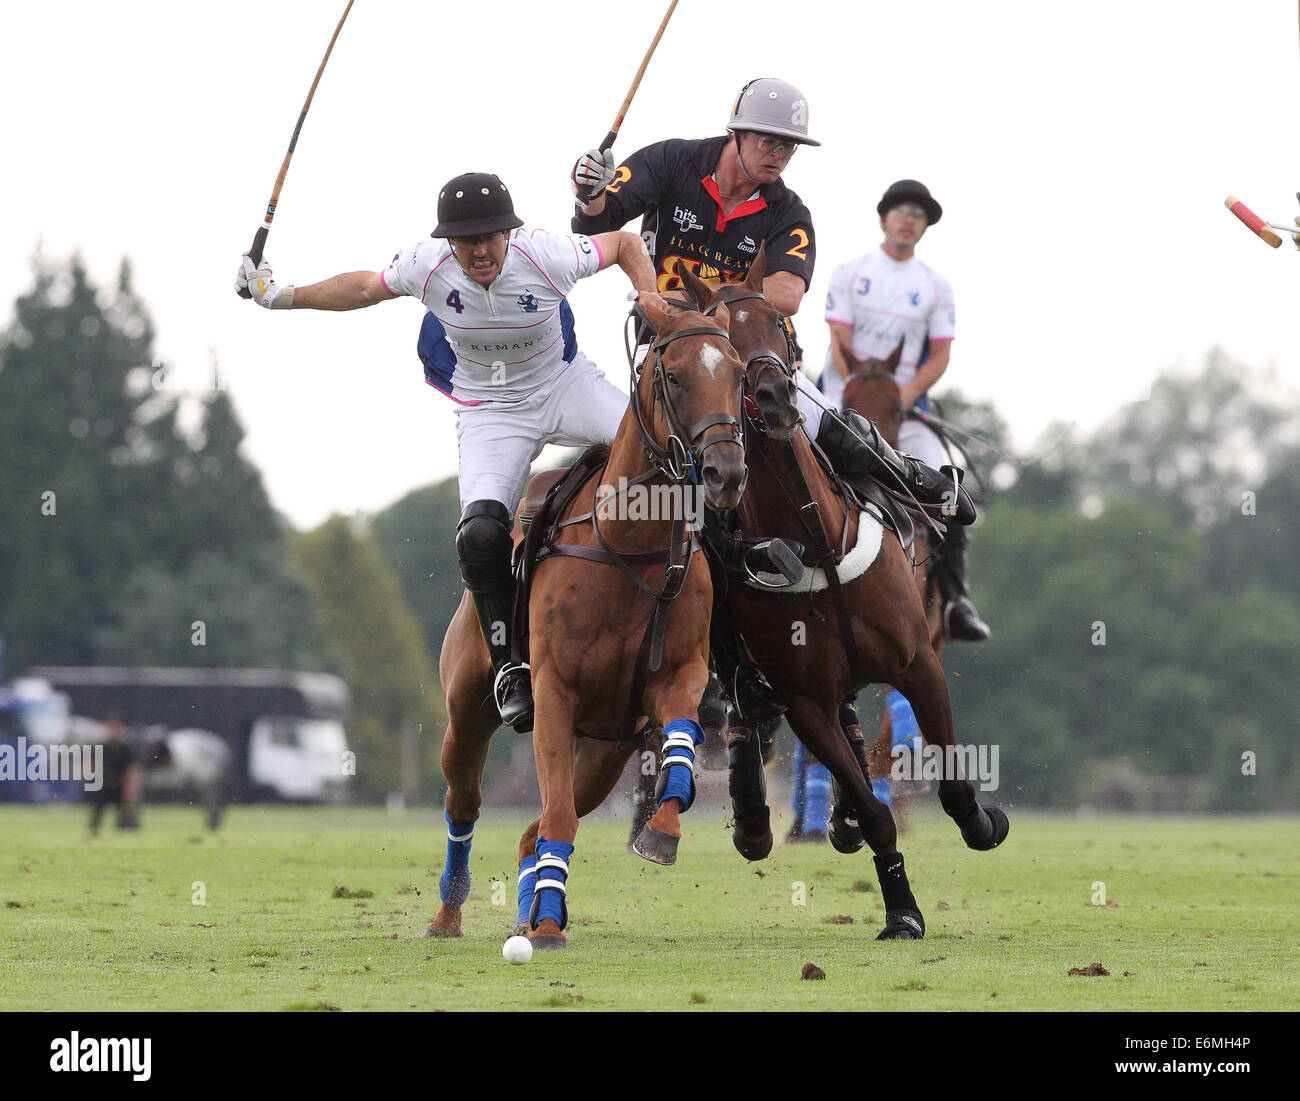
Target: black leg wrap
column 752, row 832
column 903, row 920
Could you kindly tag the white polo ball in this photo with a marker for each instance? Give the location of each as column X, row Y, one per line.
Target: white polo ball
column 517, row 950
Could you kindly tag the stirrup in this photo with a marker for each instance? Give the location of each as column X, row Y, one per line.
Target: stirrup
column 771, row 559
column 512, row 680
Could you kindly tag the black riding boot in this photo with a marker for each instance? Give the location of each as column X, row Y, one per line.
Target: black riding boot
column 856, row 450
column 483, row 545
column 960, row 619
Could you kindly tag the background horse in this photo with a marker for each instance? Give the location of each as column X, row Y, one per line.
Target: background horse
column 850, row 624
column 602, row 654
column 872, row 390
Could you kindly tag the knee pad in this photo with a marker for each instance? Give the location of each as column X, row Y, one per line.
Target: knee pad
column 483, row 545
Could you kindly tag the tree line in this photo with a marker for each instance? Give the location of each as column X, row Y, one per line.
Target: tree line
column 1141, row 578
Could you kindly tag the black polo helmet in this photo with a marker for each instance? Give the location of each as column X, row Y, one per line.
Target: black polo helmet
column 910, row 191
column 475, row 203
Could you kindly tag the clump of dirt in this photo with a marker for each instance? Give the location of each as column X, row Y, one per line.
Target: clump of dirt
column 839, row 919
column 360, row 892
column 1091, row 969
column 812, row 971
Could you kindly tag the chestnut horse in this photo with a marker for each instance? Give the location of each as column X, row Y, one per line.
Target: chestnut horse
column 602, row 654
column 846, row 626
column 872, row 390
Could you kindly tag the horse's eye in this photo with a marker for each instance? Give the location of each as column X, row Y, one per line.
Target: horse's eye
column 673, row 380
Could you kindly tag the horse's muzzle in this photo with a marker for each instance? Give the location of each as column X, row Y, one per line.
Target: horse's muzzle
column 724, row 474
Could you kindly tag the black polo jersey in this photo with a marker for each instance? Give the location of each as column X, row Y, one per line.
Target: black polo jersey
column 671, row 183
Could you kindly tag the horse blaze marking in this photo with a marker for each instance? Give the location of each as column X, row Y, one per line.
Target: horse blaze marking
column 711, row 357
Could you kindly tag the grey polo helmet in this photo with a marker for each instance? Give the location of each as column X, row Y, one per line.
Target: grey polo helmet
column 771, row 106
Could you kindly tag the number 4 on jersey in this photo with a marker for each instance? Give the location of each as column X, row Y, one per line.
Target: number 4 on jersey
column 453, row 300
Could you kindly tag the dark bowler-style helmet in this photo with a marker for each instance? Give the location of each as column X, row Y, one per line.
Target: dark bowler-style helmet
column 474, row 203
column 771, row 106
column 910, row 191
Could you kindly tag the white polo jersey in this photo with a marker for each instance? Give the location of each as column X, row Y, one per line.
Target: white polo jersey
column 887, row 300
column 504, row 341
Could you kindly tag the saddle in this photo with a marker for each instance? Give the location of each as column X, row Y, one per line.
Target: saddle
column 549, row 494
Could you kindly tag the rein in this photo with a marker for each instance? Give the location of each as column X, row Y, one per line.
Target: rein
column 678, row 459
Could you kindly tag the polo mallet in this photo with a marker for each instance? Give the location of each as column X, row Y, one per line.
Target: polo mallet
column 1258, row 226
column 622, row 111
column 259, row 238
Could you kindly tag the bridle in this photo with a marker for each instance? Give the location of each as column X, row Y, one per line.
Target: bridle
column 771, row 359
column 680, row 456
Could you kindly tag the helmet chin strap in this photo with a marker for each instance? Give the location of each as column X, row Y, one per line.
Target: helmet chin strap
column 741, row 161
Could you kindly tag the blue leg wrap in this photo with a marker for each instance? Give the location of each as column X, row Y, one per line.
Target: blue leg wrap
column 453, row 885
column 527, row 888
column 798, row 790
column 881, row 790
column 552, row 875
column 817, row 797
column 676, row 770
column 905, row 730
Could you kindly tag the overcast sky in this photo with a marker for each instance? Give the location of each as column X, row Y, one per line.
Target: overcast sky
column 1081, row 153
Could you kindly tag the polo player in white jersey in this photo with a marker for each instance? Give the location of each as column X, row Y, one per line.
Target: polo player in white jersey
column 500, row 343
column 873, row 302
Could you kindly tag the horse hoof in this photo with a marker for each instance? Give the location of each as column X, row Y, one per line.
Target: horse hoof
column 752, row 838
column 661, row 848
column 435, row 930
column 903, row 925
column 987, row 829
column 844, row 834
column 544, row 942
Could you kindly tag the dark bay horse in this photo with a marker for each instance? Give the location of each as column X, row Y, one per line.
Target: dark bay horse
column 872, row 390
column 848, row 625
column 619, row 623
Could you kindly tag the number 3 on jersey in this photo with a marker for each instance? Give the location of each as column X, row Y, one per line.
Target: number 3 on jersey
column 453, row 300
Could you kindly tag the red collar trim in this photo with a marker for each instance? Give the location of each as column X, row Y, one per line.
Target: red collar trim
column 749, row 206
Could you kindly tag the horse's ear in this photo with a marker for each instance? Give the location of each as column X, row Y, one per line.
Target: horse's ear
column 696, row 287
column 754, row 280
column 658, row 318
column 894, row 357
column 722, row 317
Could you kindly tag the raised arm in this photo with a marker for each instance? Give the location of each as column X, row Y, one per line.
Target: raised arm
column 352, row 290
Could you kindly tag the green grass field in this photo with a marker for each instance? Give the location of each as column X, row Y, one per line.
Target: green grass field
column 1205, row 915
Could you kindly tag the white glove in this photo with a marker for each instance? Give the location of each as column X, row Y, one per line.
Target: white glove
column 592, row 174
column 257, row 279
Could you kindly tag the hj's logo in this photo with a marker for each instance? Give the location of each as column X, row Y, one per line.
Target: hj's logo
column 527, row 303
column 686, row 220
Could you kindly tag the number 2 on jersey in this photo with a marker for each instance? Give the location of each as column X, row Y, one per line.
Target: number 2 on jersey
column 798, row 250
column 453, row 300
